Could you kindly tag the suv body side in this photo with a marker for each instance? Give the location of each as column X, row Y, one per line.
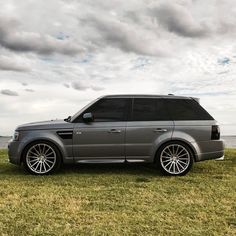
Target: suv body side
column 133, row 139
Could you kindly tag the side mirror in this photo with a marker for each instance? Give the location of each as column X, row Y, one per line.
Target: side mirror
column 88, row 117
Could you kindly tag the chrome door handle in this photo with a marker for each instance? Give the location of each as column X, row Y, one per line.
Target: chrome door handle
column 114, row 131
column 160, row 130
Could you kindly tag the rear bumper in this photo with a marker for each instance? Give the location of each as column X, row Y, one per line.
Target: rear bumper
column 221, row 158
column 210, row 155
column 13, row 152
column 208, row 150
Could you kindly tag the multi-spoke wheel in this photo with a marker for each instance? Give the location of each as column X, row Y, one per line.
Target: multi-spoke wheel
column 175, row 158
column 41, row 158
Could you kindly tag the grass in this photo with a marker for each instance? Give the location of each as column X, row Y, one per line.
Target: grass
column 119, row 200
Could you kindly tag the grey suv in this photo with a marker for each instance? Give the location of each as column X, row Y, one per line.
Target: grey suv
column 170, row 131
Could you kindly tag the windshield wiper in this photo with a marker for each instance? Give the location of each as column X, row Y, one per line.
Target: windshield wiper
column 67, row 119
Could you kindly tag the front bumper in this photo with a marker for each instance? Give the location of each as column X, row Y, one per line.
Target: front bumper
column 14, row 153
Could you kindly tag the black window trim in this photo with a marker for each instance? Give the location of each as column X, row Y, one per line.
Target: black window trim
column 79, row 118
column 186, row 99
column 130, row 118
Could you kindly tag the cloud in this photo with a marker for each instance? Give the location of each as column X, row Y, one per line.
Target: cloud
column 9, row 92
column 97, row 88
column 13, row 64
column 178, row 19
column 14, row 39
column 66, row 85
column 29, row 90
column 81, row 86
column 111, row 32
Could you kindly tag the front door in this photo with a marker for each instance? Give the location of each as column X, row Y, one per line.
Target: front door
column 103, row 139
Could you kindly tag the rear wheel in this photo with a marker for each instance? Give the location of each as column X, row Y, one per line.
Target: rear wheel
column 41, row 158
column 175, row 158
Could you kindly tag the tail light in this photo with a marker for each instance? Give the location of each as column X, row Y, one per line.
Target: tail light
column 215, row 132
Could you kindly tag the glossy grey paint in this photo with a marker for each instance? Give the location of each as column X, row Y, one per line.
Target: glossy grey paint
column 198, row 135
column 142, row 138
column 46, row 131
column 99, row 140
column 132, row 141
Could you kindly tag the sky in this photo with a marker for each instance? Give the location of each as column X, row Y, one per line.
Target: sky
column 58, row 55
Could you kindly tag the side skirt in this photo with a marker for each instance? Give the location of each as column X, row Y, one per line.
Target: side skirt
column 93, row 161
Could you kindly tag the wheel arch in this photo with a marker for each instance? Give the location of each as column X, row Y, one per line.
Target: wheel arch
column 41, row 140
column 188, row 144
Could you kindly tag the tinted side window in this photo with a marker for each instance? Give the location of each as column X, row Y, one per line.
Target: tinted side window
column 186, row 109
column 149, row 109
column 109, row 109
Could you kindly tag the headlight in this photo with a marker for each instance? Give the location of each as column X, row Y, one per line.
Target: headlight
column 16, row 136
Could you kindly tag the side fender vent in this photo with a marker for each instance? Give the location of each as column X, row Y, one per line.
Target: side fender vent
column 68, row 134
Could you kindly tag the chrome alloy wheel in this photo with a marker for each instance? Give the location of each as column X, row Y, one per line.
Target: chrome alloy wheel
column 41, row 158
column 175, row 159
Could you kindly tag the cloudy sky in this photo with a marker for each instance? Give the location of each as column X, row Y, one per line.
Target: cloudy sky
column 56, row 56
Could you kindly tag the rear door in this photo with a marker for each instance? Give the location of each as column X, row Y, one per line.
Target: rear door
column 149, row 123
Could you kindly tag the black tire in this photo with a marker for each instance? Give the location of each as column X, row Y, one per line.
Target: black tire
column 32, row 154
column 174, row 164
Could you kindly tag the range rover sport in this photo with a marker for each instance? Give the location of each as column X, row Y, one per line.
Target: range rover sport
column 170, row 131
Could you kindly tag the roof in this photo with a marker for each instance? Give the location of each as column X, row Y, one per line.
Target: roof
column 144, row 96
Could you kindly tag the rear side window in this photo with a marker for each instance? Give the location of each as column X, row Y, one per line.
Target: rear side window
column 109, row 109
column 149, row 109
column 187, row 109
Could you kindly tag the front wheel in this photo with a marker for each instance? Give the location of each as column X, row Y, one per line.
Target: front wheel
column 175, row 158
column 41, row 158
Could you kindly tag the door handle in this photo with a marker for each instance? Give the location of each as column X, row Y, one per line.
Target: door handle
column 160, row 130
column 114, row 131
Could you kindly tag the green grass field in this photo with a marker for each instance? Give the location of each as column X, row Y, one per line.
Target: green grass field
column 119, row 200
